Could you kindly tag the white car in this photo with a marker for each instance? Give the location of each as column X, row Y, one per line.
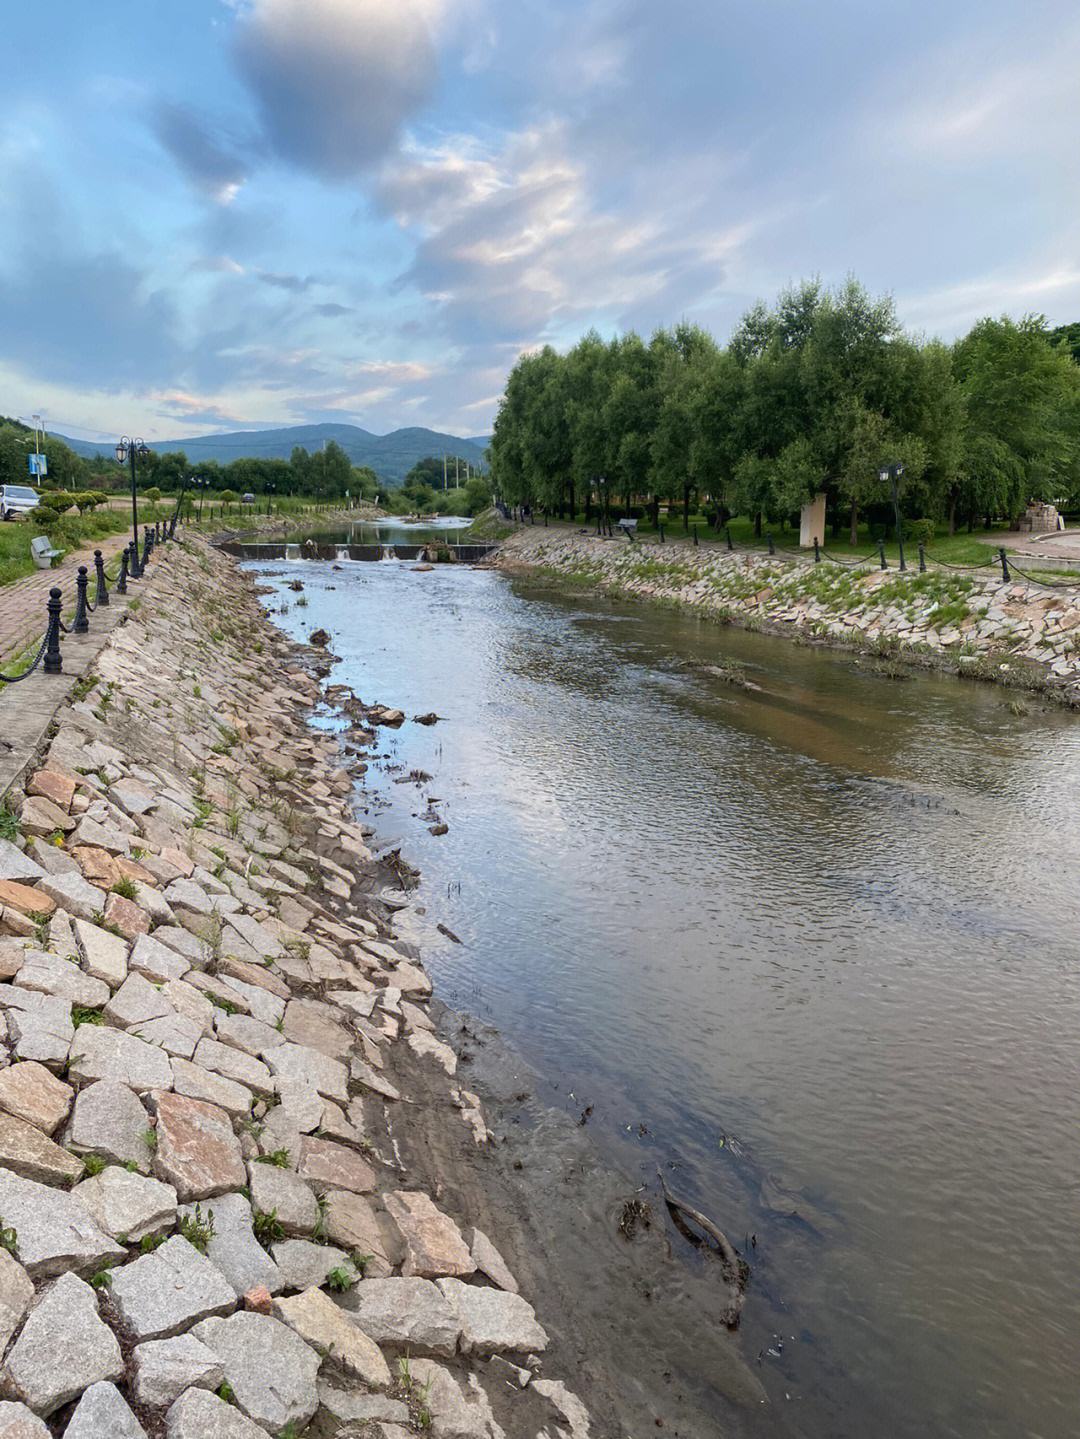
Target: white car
column 17, row 500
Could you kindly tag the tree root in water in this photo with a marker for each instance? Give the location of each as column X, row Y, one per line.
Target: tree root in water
column 736, row 1270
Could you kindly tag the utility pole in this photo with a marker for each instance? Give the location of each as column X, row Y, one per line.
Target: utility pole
column 444, row 472
column 457, row 482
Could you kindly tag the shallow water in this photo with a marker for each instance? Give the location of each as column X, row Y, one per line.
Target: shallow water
column 815, row 945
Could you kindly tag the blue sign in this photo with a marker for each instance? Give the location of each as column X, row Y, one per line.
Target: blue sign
column 39, row 464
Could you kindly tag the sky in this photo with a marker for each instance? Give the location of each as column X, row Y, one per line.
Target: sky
column 231, row 213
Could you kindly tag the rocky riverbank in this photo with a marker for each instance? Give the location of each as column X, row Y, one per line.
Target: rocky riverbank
column 229, row 1206
column 1013, row 633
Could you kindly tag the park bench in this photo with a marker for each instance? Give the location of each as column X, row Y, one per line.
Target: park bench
column 629, row 528
column 43, row 552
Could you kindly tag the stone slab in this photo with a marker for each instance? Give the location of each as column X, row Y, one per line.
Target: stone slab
column 164, row 1293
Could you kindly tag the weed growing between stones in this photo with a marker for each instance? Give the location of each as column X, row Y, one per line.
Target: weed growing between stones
column 198, row 1228
column 279, row 1158
column 267, row 1226
column 340, row 1279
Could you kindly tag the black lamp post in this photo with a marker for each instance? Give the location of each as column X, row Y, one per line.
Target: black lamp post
column 269, row 492
column 889, row 474
column 129, row 450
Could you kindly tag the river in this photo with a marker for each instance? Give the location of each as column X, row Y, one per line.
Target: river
column 814, row 945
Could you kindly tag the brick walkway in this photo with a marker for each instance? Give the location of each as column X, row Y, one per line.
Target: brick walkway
column 22, row 603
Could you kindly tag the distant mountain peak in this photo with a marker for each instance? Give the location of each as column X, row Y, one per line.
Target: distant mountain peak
column 391, row 456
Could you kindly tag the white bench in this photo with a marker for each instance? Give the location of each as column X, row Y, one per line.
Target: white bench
column 43, row 552
column 629, row 528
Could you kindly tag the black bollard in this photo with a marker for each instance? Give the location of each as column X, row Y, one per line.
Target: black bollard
column 81, row 623
column 922, row 558
column 881, row 552
column 122, row 578
column 134, row 572
column 545, row 519
column 1004, row 564
column 817, row 551
column 661, row 529
column 695, row 535
column 53, row 663
column 727, row 531
column 148, row 545
column 101, row 595
column 772, row 546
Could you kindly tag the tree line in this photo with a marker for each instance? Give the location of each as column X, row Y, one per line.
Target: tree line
column 810, row 395
column 326, row 473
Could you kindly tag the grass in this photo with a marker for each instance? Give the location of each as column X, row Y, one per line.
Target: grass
column 125, row 888
column 9, row 1238
column 267, row 1226
column 340, row 1279
column 9, row 825
column 93, row 1164
column 197, row 1228
column 67, row 534
column 80, row 1014
column 279, row 1158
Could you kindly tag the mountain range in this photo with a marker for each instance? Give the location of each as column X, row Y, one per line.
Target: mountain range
column 391, row 456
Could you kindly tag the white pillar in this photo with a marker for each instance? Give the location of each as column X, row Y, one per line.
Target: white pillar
column 812, row 522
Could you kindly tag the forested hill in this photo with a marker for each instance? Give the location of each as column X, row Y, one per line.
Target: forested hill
column 391, row 456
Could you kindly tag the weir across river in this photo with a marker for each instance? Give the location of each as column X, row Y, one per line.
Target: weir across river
column 434, row 553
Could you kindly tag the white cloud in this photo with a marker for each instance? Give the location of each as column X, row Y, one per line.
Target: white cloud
column 513, row 241
column 1053, row 284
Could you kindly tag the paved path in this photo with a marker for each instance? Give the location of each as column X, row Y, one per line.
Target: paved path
column 22, row 603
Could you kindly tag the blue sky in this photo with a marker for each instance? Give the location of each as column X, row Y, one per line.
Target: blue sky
column 231, row 212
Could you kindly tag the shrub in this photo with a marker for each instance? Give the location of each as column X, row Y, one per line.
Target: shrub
column 153, row 494
column 920, row 531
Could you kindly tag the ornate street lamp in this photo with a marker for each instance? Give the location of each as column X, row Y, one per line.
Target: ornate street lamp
column 889, row 474
column 128, row 451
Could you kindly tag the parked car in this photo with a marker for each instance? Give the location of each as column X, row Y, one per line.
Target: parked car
column 248, row 499
column 17, row 500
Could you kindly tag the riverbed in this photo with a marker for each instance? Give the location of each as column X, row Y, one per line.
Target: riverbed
column 803, row 935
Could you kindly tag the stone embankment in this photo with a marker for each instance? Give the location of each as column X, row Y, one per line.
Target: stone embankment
column 1011, row 632
column 211, row 1047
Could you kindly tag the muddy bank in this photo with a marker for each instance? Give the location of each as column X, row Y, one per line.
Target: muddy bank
column 637, row 1314
column 1014, row 633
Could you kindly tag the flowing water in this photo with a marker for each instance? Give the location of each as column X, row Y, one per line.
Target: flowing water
column 814, row 945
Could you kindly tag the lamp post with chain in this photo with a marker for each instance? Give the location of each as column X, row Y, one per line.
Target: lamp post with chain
column 128, row 451
column 889, row 474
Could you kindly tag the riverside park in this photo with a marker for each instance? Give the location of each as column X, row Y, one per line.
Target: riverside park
column 539, row 723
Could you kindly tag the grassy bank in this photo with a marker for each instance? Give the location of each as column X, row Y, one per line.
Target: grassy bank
column 66, row 533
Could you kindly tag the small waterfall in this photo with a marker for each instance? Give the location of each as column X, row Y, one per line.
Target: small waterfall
column 292, row 552
column 388, row 552
column 343, row 552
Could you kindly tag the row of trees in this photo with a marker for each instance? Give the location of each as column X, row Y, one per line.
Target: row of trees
column 424, row 491
column 325, row 474
column 810, row 395
column 328, row 473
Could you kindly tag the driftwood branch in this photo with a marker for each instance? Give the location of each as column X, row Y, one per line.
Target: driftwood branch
column 736, row 1270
